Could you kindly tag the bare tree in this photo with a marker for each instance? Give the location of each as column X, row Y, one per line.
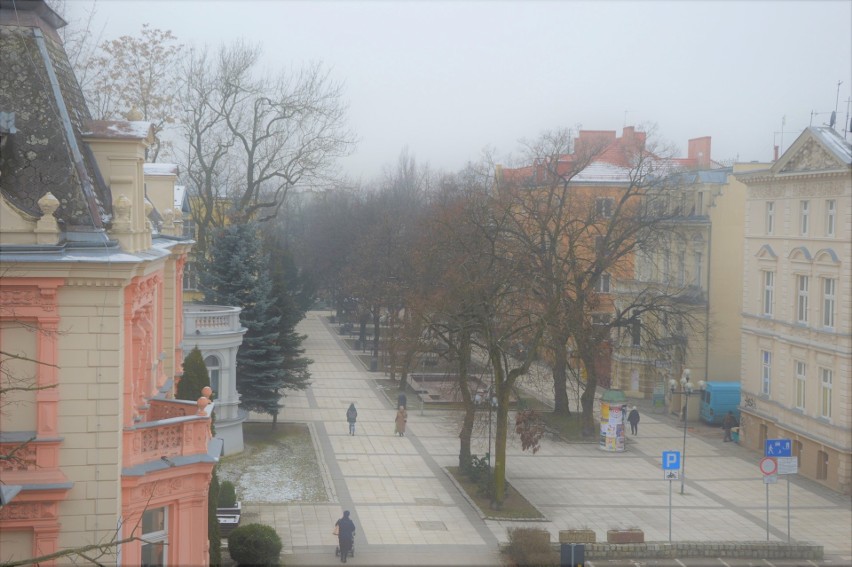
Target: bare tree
column 253, row 136
column 136, row 78
column 584, row 242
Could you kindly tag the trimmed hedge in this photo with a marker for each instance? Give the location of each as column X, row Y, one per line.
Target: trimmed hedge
column 254, row 544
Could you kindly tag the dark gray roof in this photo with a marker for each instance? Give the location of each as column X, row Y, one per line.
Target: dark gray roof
column 47, row 153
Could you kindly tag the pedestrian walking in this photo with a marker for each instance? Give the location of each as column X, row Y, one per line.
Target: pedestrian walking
column 345, row 529
column 728, row 423
column 633, row 418
column 400, row 421
column 401, row 400
column 351, row 416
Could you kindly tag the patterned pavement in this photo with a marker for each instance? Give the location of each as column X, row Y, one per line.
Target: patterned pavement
column 408, row 512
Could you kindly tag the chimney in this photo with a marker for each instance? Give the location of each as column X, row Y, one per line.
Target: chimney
column 699, row 152
column 776, row 154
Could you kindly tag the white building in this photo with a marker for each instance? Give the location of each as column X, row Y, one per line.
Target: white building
column 218, row 334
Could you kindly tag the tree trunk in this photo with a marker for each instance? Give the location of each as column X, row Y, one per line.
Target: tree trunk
column 502, row 392
column 561, row 405
column 469, row 407
column 376, row 324
column 587, row 400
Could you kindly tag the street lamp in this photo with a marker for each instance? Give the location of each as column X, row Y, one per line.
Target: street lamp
column 685, row 390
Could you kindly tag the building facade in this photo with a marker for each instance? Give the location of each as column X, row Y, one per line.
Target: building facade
column 704, row 255
column 91, row 323
column 797, row 306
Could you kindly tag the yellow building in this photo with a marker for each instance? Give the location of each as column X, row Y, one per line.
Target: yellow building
column 797, row 306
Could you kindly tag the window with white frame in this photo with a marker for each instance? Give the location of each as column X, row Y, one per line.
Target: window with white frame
column 190, row 277
column 804, row 216
column 213, row 368
column 765, row 372
column 681, row 268
column 801, row 373
column 826, row 377
column 770, row 217
column 603, row 284
column 802, row 299
column 830, row 216
column 604, row 207
column 829, row 289
column 700, row 207
column 768, row 292
column 155, row 537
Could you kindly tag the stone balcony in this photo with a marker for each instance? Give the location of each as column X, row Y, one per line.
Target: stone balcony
column 210, row 319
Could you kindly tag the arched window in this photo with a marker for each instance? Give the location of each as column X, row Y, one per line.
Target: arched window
column 212, row 363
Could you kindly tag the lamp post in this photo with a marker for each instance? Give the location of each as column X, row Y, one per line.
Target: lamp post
column 685, row 390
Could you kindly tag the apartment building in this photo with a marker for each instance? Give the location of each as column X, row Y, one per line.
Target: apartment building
column 797, row 306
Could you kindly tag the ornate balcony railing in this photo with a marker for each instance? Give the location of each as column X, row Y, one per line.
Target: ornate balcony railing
column 210, row 319
column 171, row 437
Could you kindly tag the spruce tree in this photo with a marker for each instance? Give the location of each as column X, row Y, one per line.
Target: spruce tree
column 236, row 274
column 291, row 302
column 195, row 377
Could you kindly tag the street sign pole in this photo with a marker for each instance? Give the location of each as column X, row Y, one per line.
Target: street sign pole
column 788, row 508
column 767, row 512
column 670, row 511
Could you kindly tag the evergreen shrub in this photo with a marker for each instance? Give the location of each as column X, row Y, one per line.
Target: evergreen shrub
column 227, row 494
column 255, row 544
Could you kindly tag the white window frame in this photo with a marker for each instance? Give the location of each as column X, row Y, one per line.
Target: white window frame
column 802, row 283
column 681, row 268
column 768, row 292
column 604, row 284
column 804, row 217
column 769, row 219
column 214, row 371
column 801, row 384
column 157, row 537
column 766, row 372
column 604, row 207
column 826, row 379
column 829, row 301
column 830, row 217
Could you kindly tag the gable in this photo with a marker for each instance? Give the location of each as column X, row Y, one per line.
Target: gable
column 810, row 156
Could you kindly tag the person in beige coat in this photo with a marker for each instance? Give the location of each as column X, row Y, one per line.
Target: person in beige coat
column 401, row 418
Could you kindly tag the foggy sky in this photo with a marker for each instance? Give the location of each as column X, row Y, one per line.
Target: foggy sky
column 447, row 79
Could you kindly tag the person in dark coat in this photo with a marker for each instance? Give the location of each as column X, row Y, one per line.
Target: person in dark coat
column 345, row 535
column 728, row 423
column 401, row 400
column 351, row 416
column 633, row 418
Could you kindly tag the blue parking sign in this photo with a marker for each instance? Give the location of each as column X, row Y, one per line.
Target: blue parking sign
column 778, row 448
column 671, row 460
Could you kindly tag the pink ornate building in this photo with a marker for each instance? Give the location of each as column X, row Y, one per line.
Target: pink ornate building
column 93, row 447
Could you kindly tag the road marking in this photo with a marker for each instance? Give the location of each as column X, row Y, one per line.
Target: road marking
column 769, row 563
column 812, row 563
column 679, row 562
column 722, row 562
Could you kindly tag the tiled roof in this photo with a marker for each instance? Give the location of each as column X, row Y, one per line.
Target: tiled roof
column 47, row 153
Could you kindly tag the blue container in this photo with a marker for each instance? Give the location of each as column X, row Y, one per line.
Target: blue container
column 718, row 399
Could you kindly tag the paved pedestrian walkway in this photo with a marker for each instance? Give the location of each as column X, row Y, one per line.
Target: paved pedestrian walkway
column 408, row 512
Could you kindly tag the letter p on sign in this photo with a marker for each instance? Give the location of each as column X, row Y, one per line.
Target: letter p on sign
column 671, row 460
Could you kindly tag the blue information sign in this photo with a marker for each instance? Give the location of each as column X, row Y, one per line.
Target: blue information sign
column 671, row 460
column 778, row 448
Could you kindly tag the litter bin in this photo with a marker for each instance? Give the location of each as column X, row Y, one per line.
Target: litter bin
column 571, row 554
column 735, row 434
